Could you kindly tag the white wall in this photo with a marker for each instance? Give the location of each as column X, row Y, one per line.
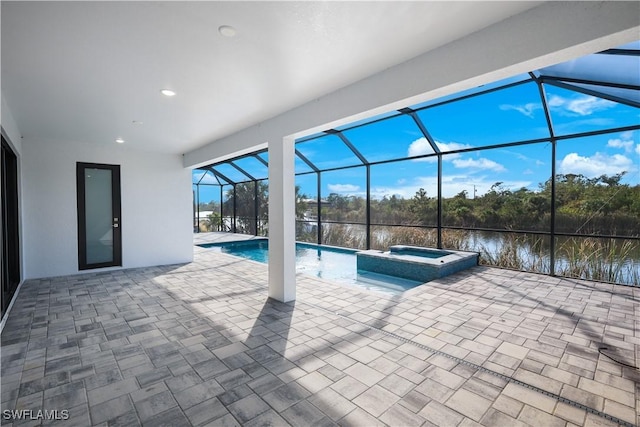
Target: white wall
column 156, row 205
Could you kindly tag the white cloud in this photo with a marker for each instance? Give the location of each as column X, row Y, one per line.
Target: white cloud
column 626, row 141
column 556, row 101
column 421, row 147
column 451, row 185
column 451, row 146
column 527, row 172
column 589, row 105
column 343, row 188
column 596, row 165
column 638, row 149
column 526, row 109
column 583, row 106
column 627, row 135
column 408, row 189
column 619, row 143
column 480, row 163
column 627, row 144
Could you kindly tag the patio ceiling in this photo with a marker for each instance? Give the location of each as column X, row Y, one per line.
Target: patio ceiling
column 92, row 71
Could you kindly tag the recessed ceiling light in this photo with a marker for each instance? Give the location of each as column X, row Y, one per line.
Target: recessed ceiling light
column 227, row 31
column 120, row 141
column 167, row 92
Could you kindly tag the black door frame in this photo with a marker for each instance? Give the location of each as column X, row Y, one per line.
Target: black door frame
column 116, row 215
column 10, row 231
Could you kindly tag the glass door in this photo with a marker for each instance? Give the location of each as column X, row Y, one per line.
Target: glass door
column 99, row 222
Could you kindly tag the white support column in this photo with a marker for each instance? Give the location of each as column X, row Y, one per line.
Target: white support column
column 282, row 220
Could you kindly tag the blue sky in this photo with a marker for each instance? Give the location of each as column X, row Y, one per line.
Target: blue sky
column 512, row 114
column 504, row 116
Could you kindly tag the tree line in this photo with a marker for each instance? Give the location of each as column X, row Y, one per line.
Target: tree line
column 597, row 206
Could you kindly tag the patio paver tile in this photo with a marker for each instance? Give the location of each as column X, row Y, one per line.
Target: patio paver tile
column 285, row 396
column 359, row 418
column 206, row 411
column 314, row 382
column 248, row 408
column 508, row 406
column 200, row 344
column 536, row 417
column 269, row 418
column 332, row 403
column 468, row 404
column 364, row 374
column 155, row 404
column 376, row 400
column 496, row 418
column 440, row 415
column 193, row 395
column 398, row 415
column 111, row 409
column 111, row 391
column 171, row 418
column 302, row 414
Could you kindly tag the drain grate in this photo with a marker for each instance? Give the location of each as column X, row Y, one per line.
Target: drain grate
column 486, row 370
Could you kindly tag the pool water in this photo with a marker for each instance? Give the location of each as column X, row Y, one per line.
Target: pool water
column 435, row 254
column 331, row 263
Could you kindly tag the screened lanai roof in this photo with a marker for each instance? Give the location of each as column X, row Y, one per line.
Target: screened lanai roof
column 537, row 106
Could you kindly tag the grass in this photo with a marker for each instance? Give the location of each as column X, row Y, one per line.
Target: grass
column 605, row 260
column 518, row 252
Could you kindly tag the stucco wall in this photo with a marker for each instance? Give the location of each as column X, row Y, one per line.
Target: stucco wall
column 156, row 205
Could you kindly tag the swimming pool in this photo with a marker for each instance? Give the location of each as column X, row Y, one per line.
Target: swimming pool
column 327, row 262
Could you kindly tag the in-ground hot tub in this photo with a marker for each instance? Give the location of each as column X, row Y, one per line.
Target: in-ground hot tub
column 416, row 263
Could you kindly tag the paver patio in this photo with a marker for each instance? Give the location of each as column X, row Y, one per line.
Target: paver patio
column 201, row 344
